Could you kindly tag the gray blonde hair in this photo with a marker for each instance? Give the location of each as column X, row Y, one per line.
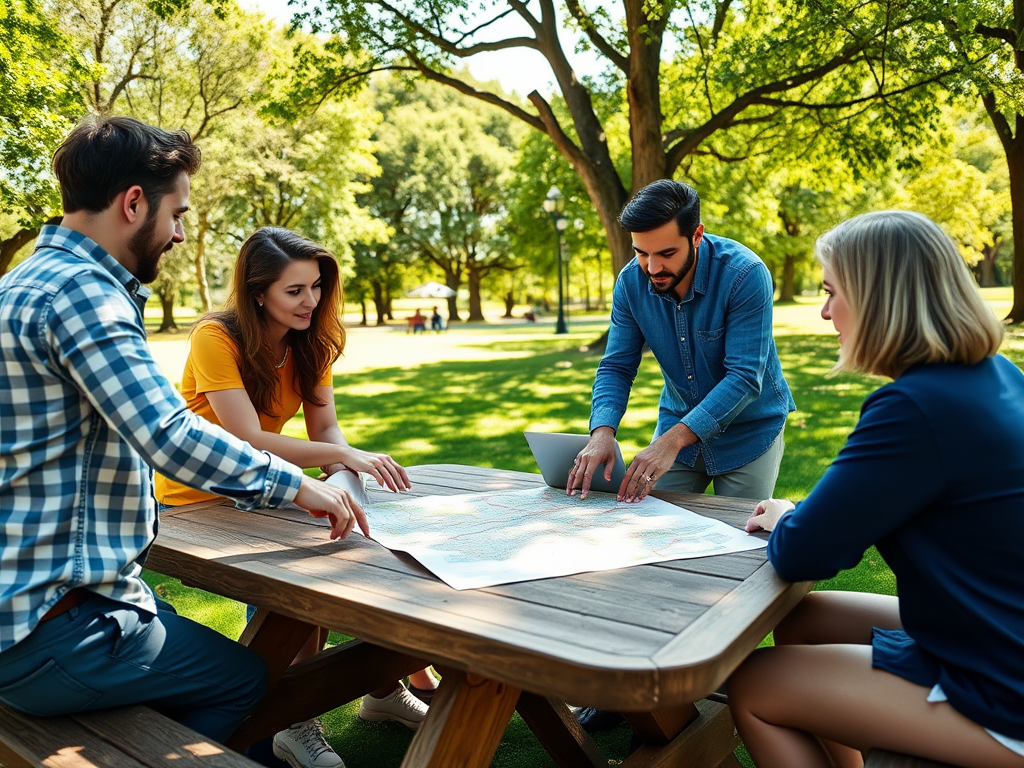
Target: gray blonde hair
column 911, row 296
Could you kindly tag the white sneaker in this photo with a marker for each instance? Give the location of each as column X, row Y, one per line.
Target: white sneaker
column 305, row 747
column 400, row 706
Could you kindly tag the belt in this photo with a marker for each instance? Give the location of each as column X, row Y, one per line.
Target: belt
column 66, row 603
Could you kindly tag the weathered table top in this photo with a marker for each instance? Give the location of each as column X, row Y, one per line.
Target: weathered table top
column 636, row 639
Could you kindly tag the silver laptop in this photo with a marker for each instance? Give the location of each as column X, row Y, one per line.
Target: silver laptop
column 555, row 453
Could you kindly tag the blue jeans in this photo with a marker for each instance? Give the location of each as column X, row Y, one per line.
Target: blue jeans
column 103, row 654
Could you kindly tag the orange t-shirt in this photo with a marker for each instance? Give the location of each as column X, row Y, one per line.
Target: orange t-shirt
column 212, row 366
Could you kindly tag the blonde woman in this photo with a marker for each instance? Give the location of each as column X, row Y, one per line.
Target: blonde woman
column 933, row 474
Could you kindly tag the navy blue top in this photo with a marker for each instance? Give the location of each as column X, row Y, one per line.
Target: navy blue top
column 933, row 475
column 722, row 374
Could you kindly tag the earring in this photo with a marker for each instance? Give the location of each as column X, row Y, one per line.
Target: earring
column 260, row 303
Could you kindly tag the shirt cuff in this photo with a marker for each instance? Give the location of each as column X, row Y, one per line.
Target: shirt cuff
column 701, row 423
column 280, row 488
column 605, row 417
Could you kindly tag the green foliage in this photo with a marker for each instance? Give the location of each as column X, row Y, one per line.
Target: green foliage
column 39, row 102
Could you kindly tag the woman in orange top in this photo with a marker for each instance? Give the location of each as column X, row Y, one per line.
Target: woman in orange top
column 249, row 369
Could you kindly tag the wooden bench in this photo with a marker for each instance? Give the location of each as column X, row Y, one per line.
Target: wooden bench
column 880, row 758
column 127, row 737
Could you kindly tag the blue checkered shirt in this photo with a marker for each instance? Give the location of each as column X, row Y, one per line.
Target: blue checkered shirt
column 84, row 414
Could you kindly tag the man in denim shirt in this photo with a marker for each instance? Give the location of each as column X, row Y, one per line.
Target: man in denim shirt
column 85, row 413
column 704, row 306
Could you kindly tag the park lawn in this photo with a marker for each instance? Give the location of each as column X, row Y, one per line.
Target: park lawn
column 474, row 411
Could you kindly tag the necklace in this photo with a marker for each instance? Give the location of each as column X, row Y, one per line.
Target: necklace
column 283, row 359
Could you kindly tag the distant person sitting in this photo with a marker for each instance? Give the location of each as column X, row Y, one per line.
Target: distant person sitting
column 436, row 321
column 530, row 315
column 417, row 323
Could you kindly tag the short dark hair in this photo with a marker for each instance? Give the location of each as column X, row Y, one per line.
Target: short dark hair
column 659, row 203
column 104, row 156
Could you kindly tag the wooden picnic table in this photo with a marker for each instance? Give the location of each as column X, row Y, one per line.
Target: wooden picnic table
column 648, row 640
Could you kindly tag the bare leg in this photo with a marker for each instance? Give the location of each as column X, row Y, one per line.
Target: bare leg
column 313, row 645
column 785, row 699
column 423, row 680
column 838, row 617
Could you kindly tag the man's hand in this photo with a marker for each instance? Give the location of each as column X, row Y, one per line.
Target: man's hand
column 652, row 462
column 600, row 449
column 386, row 471
column 323, row 500
column 768, row 514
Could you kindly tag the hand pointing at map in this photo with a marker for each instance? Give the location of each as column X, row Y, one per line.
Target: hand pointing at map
column 652, row 462
column 600, row 449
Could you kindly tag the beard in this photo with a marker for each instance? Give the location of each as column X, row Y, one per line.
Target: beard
column 677, row 277
column 147, row 252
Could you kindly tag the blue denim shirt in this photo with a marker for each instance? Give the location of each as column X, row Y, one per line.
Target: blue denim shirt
column 722, row 374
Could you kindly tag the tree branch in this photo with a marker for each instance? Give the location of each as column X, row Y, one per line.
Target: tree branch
column 997, row 33
column 588, row 26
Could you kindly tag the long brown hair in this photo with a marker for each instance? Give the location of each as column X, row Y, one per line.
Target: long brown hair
column 261, row 260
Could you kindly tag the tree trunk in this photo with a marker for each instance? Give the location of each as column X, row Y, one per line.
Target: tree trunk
column 1015, row 163
column 988, row 265
column 510, row 302
column 204, row 285
column 788, row 278
column 452, row 280
column 167, row 325
column 363, row 321
column 13, row 244
column 476, row 313
column 379, row 304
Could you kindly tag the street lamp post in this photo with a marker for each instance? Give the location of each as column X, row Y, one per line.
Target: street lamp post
column 553, row 205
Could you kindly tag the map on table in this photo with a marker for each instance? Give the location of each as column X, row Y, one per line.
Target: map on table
column 482, row 539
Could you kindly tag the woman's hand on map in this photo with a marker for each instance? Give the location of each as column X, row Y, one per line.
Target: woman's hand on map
column 386, row 471
column 648, row 466
column 767, row 514
column 336, row 504
column 600, row 450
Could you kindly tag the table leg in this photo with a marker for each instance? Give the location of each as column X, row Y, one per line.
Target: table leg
column 277, row 639
column 556, row 728
column 661, row 725
column 465, row 724
column 321, row 683
column 707, row 742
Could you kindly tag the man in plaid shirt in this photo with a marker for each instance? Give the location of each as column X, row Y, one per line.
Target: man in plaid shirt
column 84, row 415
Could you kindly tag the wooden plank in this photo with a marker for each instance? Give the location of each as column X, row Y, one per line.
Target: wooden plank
column 737, row 565
column 578, row 631
column 664, row 584
column 620, row 605
column 321, row 683
column 465, row 724
column 55, row 742
column 705, row 653
column 158, row 741
column 558, row 731
column 708, row 740
column 660, row 726
column 881, row 758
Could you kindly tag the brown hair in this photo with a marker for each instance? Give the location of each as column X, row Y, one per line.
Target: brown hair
column 261, row 260
column 911, row 296
column 104, row 156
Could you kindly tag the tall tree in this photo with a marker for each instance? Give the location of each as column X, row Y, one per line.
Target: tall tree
column 990, row 36
column 786, row 67
column 39, row 101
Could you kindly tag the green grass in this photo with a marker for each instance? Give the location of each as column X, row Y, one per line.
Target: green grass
column 474, row 411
